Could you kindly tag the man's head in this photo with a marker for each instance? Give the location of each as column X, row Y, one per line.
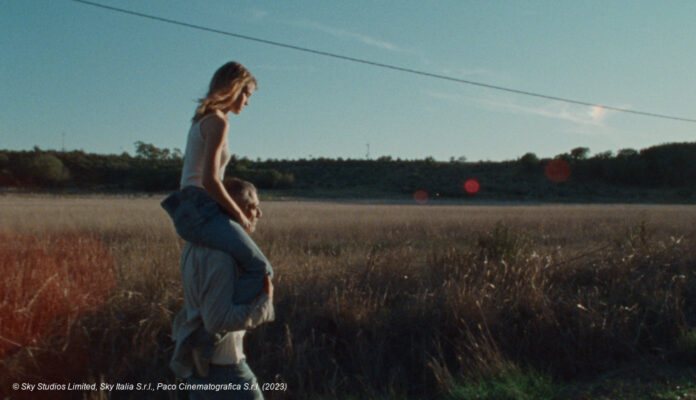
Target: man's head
column 244, row 194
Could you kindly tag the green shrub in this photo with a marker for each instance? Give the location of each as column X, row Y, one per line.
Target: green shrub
column 509, row 384
column 47, row 169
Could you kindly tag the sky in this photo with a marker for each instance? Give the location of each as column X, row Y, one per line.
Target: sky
column 78, row 77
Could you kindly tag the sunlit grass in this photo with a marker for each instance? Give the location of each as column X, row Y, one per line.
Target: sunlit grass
column 373, row 301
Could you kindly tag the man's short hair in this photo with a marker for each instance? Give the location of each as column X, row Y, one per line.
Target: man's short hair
column 241, row 190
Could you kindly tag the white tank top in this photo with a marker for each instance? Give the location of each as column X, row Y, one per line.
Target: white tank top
column 192, row 172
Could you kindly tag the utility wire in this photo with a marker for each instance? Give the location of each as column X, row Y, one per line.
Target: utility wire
column 387, row 66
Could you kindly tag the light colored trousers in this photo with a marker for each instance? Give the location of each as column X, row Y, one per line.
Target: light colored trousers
column 237, row 374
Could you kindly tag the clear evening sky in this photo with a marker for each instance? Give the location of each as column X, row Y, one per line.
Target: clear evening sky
column 80, row 77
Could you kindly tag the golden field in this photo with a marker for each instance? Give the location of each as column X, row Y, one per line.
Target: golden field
column 372, row 300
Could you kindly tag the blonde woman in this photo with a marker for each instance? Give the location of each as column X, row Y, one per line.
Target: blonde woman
column 204, row 213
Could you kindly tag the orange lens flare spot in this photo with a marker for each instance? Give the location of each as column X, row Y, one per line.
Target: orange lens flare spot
column 421, row 197
column 471, row 186
column 557, row 171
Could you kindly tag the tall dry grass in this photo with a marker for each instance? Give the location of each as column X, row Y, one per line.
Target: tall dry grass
column 48, row 282
column 373, row 300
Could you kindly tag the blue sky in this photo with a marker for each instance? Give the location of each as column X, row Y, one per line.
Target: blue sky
column 86, row 78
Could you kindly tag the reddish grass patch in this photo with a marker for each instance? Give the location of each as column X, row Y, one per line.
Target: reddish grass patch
column 47, row 282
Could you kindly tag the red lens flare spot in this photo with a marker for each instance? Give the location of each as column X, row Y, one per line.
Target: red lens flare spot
column 48, row 282
column 472, row 186
column 421, row 196
column 557, row 171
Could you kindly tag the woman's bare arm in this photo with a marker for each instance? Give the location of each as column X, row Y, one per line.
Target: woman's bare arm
column 214, row 131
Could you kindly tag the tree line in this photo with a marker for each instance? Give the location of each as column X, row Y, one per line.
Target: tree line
column 151, row 169
column 668, row 169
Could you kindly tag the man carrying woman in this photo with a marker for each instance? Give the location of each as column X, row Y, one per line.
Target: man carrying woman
column 218, row 224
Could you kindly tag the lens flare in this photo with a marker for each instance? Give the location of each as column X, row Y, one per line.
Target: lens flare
column 557, row 171
column 47, row 283
column 421, row 197
column 471, row 186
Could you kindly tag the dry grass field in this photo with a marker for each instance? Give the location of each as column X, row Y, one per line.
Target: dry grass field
column 372, row 301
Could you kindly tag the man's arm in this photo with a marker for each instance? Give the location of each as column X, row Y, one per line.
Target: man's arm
column 219, row 313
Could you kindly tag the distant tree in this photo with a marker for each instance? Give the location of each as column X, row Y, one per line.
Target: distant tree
column 564, row 157
column 47, row 169
column 605, row 155
column 626, row 153
column 149, row 151
column 4, row 160
column 264, row 178
column 242, row 163
column 530, row 158
column 6, row 178
column 669, row 164
column 530, row 161
column 286, row 181
column 177, row 154
column 579, row 153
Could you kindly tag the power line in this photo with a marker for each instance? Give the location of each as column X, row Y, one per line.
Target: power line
column 387, row 66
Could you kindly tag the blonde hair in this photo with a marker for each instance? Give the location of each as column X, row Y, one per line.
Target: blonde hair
column 227, row 84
